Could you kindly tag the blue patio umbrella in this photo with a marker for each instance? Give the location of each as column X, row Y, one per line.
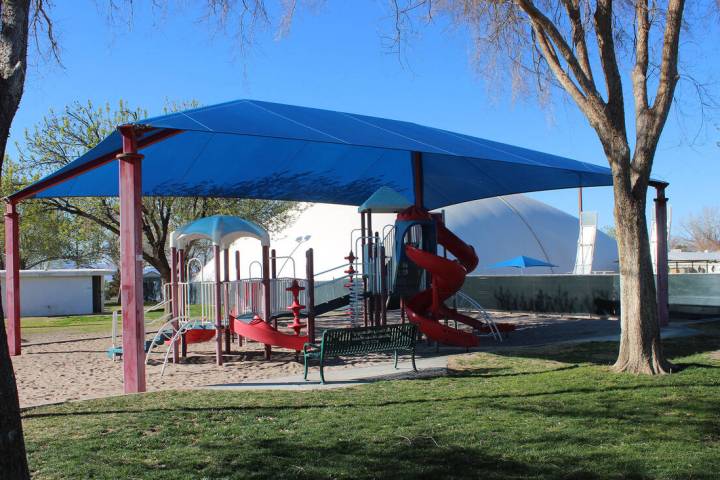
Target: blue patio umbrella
column 522, row 262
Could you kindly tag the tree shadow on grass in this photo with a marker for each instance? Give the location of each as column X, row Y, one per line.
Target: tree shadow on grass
column 430, row 400
column 338, row 456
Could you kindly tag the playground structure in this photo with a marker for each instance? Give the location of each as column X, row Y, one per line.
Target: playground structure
column 203, row 309
column 402, row 268
column 253, row 149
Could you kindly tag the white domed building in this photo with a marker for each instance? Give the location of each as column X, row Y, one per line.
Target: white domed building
column 499, row 228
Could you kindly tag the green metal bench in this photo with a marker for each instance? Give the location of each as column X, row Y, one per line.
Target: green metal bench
column 361, row 341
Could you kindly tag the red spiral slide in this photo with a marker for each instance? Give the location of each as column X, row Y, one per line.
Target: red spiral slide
column 448, row 276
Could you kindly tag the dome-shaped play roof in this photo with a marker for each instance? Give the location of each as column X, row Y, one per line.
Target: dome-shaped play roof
column 221, row 230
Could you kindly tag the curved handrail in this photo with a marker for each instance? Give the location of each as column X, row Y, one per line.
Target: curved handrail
column 485, row 317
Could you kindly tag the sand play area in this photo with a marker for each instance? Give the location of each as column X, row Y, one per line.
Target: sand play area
column 56, row 367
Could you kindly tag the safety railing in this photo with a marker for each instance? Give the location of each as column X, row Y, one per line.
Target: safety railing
column 463, row 302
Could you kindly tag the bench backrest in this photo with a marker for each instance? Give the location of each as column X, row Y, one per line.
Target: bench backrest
column 352, row 341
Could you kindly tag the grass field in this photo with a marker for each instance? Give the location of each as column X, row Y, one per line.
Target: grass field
column 100, row 323
column 532, row 413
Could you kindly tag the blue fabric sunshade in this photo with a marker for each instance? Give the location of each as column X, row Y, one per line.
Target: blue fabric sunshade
column 253, row 149
column 522, row 262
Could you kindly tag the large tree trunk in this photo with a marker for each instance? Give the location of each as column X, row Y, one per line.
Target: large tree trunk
column 13, row 62
column 13, row 458
column 640, row 347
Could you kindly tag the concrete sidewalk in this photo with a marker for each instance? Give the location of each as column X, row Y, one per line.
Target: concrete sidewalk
column 345, row 377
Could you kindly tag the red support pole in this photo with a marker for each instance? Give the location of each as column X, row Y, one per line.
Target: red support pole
column 661, row 256
column 12, row 278
column 273, row 275
column 131, row 262
column 266, row 292
column 370, row 260
column 174, row 304
column 362, row 255
column 226, row 298
column 183, row 279
column 237, row 290
column 218, row 308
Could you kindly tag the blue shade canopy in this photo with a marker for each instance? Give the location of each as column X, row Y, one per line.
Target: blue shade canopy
column 221, row 230
column 522, row 262
column 254, row 149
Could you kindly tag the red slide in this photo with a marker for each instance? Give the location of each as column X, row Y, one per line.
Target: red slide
column 261, row 331
column 448, row 276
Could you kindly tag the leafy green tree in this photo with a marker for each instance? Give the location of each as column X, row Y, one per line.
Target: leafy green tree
column 48, row 235
column 61, row 137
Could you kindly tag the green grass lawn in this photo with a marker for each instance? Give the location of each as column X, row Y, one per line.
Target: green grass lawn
column 100, row 323
column 532, row 413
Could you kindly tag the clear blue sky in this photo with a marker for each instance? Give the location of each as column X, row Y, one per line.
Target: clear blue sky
column 334, row 58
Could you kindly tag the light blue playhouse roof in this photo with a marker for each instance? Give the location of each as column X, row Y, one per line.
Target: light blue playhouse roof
column 254, row 149
column 221, row 230
column 385, row 200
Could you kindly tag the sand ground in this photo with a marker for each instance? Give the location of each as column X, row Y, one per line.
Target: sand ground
column 61, row 367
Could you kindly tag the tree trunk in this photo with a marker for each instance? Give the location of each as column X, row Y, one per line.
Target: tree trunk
column 640, row 347
column 14, row 16
column 13, row 458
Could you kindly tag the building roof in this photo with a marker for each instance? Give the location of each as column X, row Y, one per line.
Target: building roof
column 65, row 272
column 680, row 256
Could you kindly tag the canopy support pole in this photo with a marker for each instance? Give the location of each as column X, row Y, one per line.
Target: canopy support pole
column 12, row 277
column 418, row 179
column 174, row 292
column 131, row 262
column 661, row 255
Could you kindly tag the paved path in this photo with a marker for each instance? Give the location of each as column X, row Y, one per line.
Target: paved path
column 433, row 362
column 345, row 377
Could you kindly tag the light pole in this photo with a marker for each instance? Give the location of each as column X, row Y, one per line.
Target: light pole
column 300, row 240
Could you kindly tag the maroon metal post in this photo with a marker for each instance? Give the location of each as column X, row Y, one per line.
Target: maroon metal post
column 237, row 290
column 266, row 293
column 218, row 308
column 226, row 298
column 362, row 253
column 273, row 276
column 370, row 299
column 174, row 301
column 183, row 279
column 131, row 262
column 310, row 293
column 383, row 286
column 12, row 277
column 661, row 255
column 580, row 201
